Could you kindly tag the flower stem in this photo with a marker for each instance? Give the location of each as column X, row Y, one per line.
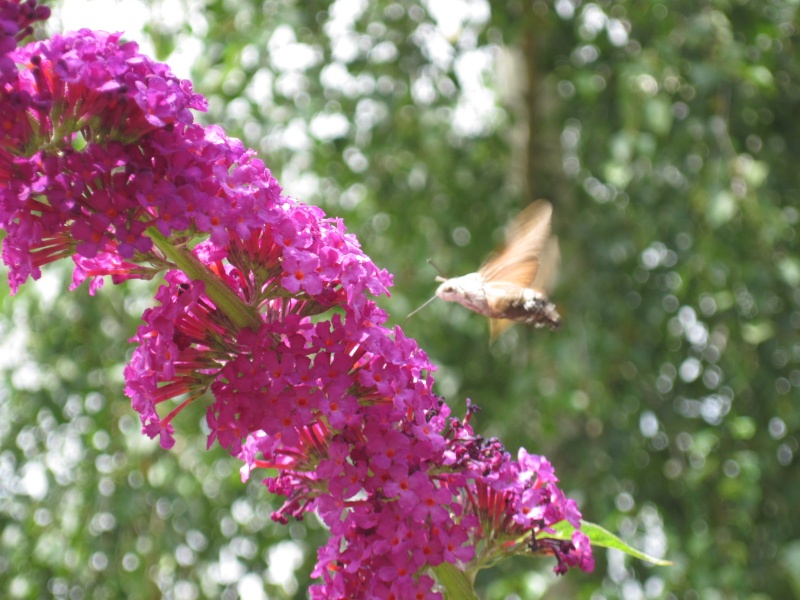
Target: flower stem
column 457, row 585
column 223, row 297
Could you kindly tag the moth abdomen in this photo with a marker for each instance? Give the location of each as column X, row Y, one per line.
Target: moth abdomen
column 524, row 305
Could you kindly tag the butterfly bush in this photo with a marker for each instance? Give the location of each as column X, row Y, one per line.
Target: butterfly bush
column 101, row 163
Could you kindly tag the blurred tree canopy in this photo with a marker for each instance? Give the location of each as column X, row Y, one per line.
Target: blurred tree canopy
column 668, row 401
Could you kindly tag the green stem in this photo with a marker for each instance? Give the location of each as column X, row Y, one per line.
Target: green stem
column 457, row 585
column 223, row 297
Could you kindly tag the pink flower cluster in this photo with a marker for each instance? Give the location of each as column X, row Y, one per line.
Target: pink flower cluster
column 100, row 162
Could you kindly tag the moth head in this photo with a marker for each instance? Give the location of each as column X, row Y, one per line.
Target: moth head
column 447, row 291
column 452, row 290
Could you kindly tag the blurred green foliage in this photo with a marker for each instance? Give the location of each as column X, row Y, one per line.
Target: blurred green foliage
column 668, row 402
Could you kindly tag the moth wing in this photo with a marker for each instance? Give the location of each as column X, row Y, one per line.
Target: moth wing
column 497, row 327
column 517, row 262
column 499, row 297
column 549, row 264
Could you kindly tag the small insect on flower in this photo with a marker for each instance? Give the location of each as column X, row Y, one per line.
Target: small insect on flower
column 511, row 285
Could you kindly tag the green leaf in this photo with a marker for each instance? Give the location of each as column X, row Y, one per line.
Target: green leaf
column 721, row 208
column 760, row 75
column 743, row 428
column 604, row 538
column 658, row 114
column 756, row 333
column 789, row 271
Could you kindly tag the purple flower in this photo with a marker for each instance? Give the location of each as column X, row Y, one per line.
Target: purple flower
column 341, row 407
column 301, row 272
column 16, row 18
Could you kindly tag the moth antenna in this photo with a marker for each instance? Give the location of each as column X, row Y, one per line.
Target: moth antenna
column 415, row 311
column 441, row 273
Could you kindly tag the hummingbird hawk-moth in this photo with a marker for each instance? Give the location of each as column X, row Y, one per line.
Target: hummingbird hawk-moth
column 511, row 285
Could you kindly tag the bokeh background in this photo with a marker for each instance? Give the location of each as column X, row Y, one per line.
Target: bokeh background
column 664, row 134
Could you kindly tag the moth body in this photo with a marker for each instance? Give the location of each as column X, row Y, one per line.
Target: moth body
column 500, row 300
column 511, row 285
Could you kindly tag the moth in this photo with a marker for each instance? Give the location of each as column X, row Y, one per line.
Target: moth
column 512, row 284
